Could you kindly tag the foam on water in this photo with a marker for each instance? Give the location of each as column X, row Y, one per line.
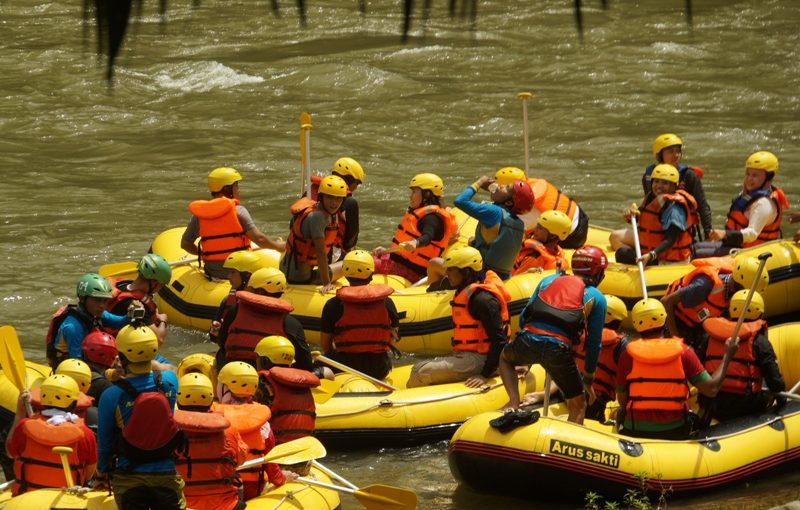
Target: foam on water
column 201, row 76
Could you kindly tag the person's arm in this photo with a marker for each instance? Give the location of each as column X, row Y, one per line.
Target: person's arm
column 331, row 313
column 296, row 335
column 114, row 321
column 485, row 307
column 487, row 215
column 106, row 423
column 14, row 449
column 190, row 236
column 351, row 227
column 594, row 329
column 708, row 386
column 394, row 319
column 670, row 301
column 768, row 364
column 694, row 186
column 253, row 233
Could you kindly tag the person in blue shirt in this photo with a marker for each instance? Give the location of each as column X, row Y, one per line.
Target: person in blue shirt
column 498, row 236
column 152, row 484
column 550, row 327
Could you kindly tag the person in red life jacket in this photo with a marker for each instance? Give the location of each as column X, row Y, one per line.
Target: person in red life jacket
column 561, row 311
column 665, row 216
column 236, row 386
column 422, row 235
column 153, row 272
column 313, row 231
column 654, row 374
column 99, row 353
column 541, row 249
column 222, row 224
column 742, row 392
column 706, row 292
column 480, row 324
column 668, row 148
column 499, row 233
column 360, row 324
column 215, row 449
column 136, row 433
column 547, row 197
column 286, row 390
column 71, row 323
column 756, row 212
column 31, row 440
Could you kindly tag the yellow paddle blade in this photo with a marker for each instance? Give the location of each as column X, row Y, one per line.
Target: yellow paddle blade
column 386, row 497
column 12, row 360
column 118, row 269
column 325, row 391
column 300, row 450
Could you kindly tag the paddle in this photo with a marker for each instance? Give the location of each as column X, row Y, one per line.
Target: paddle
column 333, row 474
column 762, row 261
column 12, row 360
column 117, row 269
column 638, row 250
column 299, row 450
column 6, row 485
column 305, row 154
column 525, row 96
column 63, row 451
column 345, row 368
column 325, row 391
column 375, row 496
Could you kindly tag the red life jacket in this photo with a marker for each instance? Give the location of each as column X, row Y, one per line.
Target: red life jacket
column 365, row 326
column 743, row 376
column 534, row 254
column 650, row 232
column 657, row 380
column 293, row 407
column 220, row 231
column 408, row 230
column 717, row 301
column 301, row 248
column 468, row 332
column 738, row 221
column 248, row 419
column 54, row 356
column 605, row 375
column 119, row 293
column 256, row 317
column 560, row 304
column 83, row 403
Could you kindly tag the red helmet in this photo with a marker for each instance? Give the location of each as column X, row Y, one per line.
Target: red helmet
column 99, row 347
column 523, row 198
column 589, row 260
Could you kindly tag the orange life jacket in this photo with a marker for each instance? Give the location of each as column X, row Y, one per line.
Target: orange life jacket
column 743, row 376
column 547, row 197
column 468, row 332
column 220, row 231
column 534, row 254
column 650, row 232
column 715, row 303
column 604, row 377
column 656, row 380
column 37, row 466
column 293, row 408
column 83, row 403
column 364, row 326
column 301, row 248
column 257, row 316
column 210, row 467
column 248, row 419
column 738, row 221
column 408, row 230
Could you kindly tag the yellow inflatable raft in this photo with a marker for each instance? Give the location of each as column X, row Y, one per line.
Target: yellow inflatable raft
column 554, row 456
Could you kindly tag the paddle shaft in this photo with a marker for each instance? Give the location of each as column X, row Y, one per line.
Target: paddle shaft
column 360, row 494
column 345, row 368
column 62, row 452
column 525, row 96
column 6, row 485
column 333, row 474
column 546, row 402
column 762, row 261
column 638, row 248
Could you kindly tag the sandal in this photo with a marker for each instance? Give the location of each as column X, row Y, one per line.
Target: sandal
column 513, row 419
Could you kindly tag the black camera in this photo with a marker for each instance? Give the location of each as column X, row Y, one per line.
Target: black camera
column 138, row 313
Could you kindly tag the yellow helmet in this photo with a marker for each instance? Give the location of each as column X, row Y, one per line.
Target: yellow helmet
column 556, row 222
column 59, row 390
column 358, row 264
column 615, row 309
column 244, row 261
column 754, row 310
column 78, row 370
column 138, row 345
column 199, row 363
column 664, row 141
column 463, row 257
column 744, row 272
column 648, row 314
column 509, row 174
column 349, row 166
column 240, row 378
column 271, row 279
column 278, row 349
column 666, row 172
column 430, row 182
column 333, row 185
column 195, row 389
column 221, row 177
column 763, row 160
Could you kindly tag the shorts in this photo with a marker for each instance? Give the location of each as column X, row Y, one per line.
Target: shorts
column 134, row 491
column 385, row 265
column 377, row 365
column 556, row 358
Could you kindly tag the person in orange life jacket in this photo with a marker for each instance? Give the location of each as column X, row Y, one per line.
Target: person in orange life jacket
column 668, row 148
column 541, row 249
column 653, row 377
column 548, row 330
column 423, row 234
column 499, row 233
column 665, row 215
column 286, row 390
column 69, row 327
column 755, row 213
column 360, row 323
column 236, row 386
column 706, row 292
column 31, row 439
column 547, row 197
column 222, row 224
column 215, row 449
column 480, row 320
column 313, row 231
column 741, row 392
column 99, row 353
column 137, row 484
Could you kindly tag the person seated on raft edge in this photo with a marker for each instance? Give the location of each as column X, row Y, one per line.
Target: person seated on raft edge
column 741, row 392
column 360, row 324
column 665, row 217
column 499, row 233
column 668, row 148
column 755, row 213
column 313, row 230
column 222, row 224
column 541, row 249
column 353, row 175
column 653, row 377
column 480, row 324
